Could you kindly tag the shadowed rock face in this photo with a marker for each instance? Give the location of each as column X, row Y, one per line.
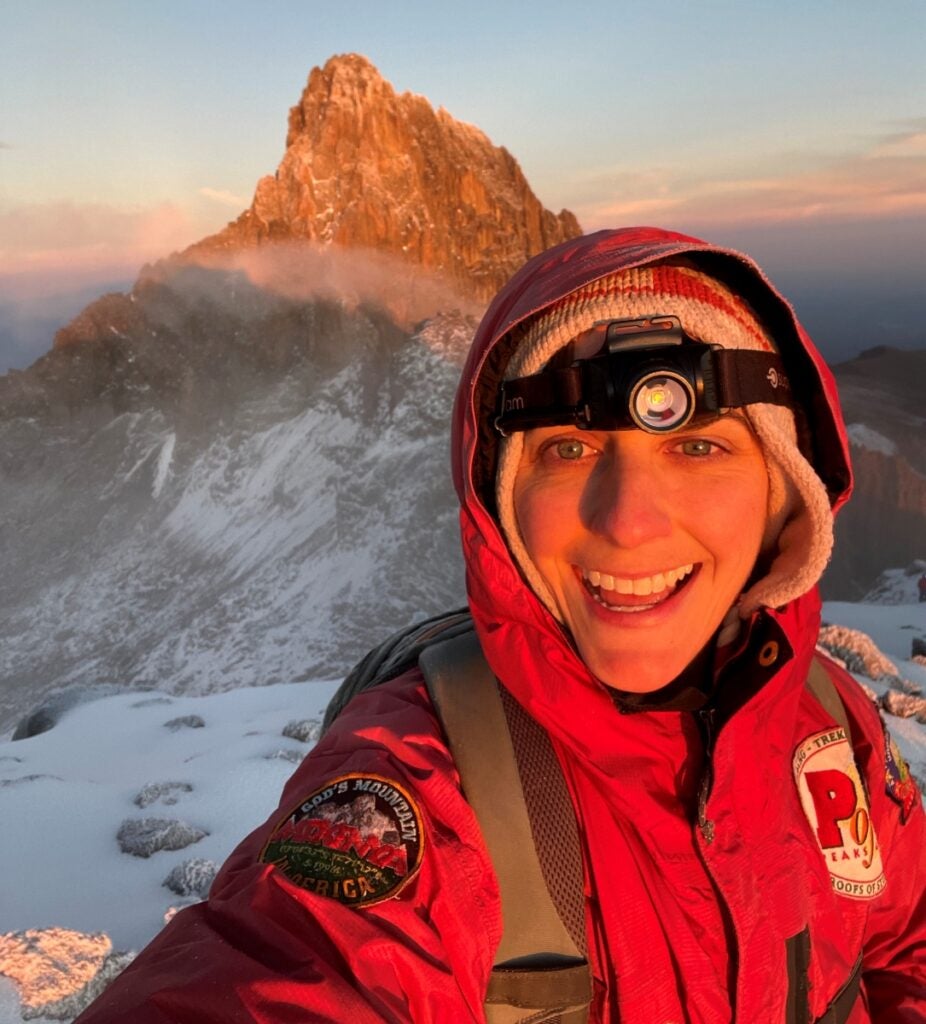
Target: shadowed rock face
column 883, row 394
column 369, row 169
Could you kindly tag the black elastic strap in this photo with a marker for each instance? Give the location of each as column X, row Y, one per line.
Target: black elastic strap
column 744, row 378
column 840, row 1008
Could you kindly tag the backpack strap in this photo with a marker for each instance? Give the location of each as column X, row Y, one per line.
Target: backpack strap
column 513, row 781
column 838, row 1012
column 824, row 689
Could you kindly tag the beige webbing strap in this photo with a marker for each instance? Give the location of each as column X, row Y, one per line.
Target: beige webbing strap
column 465, row 695
column 556, row 994
column 824, row 689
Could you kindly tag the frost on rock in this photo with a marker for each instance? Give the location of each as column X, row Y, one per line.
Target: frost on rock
column 904, row 705
column 161, row 792
column 897, row 586
column 174, row 909
column 144, row 836
column 192, row 878
column 859, row 653
column 58, row 972
column 306, row 730
column 293, row 756
column 185, row 722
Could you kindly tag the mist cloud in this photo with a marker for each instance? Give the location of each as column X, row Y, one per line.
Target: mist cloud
column 306, row 271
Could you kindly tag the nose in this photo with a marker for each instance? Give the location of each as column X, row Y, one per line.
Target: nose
column 625, row 500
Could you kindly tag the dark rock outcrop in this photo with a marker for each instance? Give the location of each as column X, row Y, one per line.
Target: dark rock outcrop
column 882, row 394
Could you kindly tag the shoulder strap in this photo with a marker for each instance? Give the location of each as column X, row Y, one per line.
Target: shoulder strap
column 824, row 689
column 530, row 832
column 466, row 696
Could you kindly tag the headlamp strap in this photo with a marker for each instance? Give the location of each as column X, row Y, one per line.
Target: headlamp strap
column 528, row 402
column 744, row 377
column 733, row 378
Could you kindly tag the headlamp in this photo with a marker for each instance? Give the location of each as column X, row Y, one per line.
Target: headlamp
column 646, row 373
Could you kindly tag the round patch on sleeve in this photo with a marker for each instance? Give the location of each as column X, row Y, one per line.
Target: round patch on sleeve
column 356, row 839
column 836, row 806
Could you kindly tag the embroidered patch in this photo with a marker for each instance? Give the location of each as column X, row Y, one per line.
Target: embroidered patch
column 897, row 777
column 836, row 806
column 357, row 839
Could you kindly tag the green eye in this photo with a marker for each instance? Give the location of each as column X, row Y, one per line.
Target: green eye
column 570, row 449
column 697, row 447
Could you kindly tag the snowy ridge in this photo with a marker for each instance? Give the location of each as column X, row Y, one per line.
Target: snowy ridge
column 267, row 541
column 897, row 586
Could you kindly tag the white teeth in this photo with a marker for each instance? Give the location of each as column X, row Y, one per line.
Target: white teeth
column 641, row 586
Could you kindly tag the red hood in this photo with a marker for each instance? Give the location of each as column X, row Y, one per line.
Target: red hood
column 517, row 631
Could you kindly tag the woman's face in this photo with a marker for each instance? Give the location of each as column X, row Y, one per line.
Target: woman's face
column 644, row 540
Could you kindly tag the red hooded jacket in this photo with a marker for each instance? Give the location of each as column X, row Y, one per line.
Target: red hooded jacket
column 715, row 842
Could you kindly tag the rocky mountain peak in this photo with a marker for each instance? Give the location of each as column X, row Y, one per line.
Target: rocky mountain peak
column 368, row 168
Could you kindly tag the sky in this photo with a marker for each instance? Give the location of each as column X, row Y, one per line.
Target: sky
column 793, row 129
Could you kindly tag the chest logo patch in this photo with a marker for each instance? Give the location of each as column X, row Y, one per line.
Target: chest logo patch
column 836, row 805
column 356, row 839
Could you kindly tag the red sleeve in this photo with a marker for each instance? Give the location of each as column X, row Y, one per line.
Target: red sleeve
column 415, row 945
column 894, row 955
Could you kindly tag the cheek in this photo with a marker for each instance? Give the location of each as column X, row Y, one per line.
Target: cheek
column 547, row 517
column 534, row 519
column 737, row 520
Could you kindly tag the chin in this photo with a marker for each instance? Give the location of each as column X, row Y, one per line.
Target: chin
column 636, row 673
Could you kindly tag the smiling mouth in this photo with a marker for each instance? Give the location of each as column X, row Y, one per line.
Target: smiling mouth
column 626, row 594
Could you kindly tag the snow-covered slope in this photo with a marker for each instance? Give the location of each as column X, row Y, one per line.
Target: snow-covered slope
column 269, row 539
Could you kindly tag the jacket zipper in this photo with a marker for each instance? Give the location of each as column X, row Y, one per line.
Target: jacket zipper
column 706, row 724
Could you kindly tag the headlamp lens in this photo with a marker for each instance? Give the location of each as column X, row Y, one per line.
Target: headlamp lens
column 662, row 401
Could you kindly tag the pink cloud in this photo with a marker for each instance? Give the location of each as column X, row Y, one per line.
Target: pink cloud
column 886, row 179
column 74, row 237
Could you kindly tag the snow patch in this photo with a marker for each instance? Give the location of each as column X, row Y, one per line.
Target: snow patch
column 865, row 437
column 165, row 458
column 306, row 730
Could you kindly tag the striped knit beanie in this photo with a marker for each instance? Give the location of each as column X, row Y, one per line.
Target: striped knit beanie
column 799, row 525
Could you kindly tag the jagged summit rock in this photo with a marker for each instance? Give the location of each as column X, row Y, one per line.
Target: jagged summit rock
column 368, row 168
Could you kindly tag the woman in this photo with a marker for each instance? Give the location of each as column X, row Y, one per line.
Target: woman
column 648, row 451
